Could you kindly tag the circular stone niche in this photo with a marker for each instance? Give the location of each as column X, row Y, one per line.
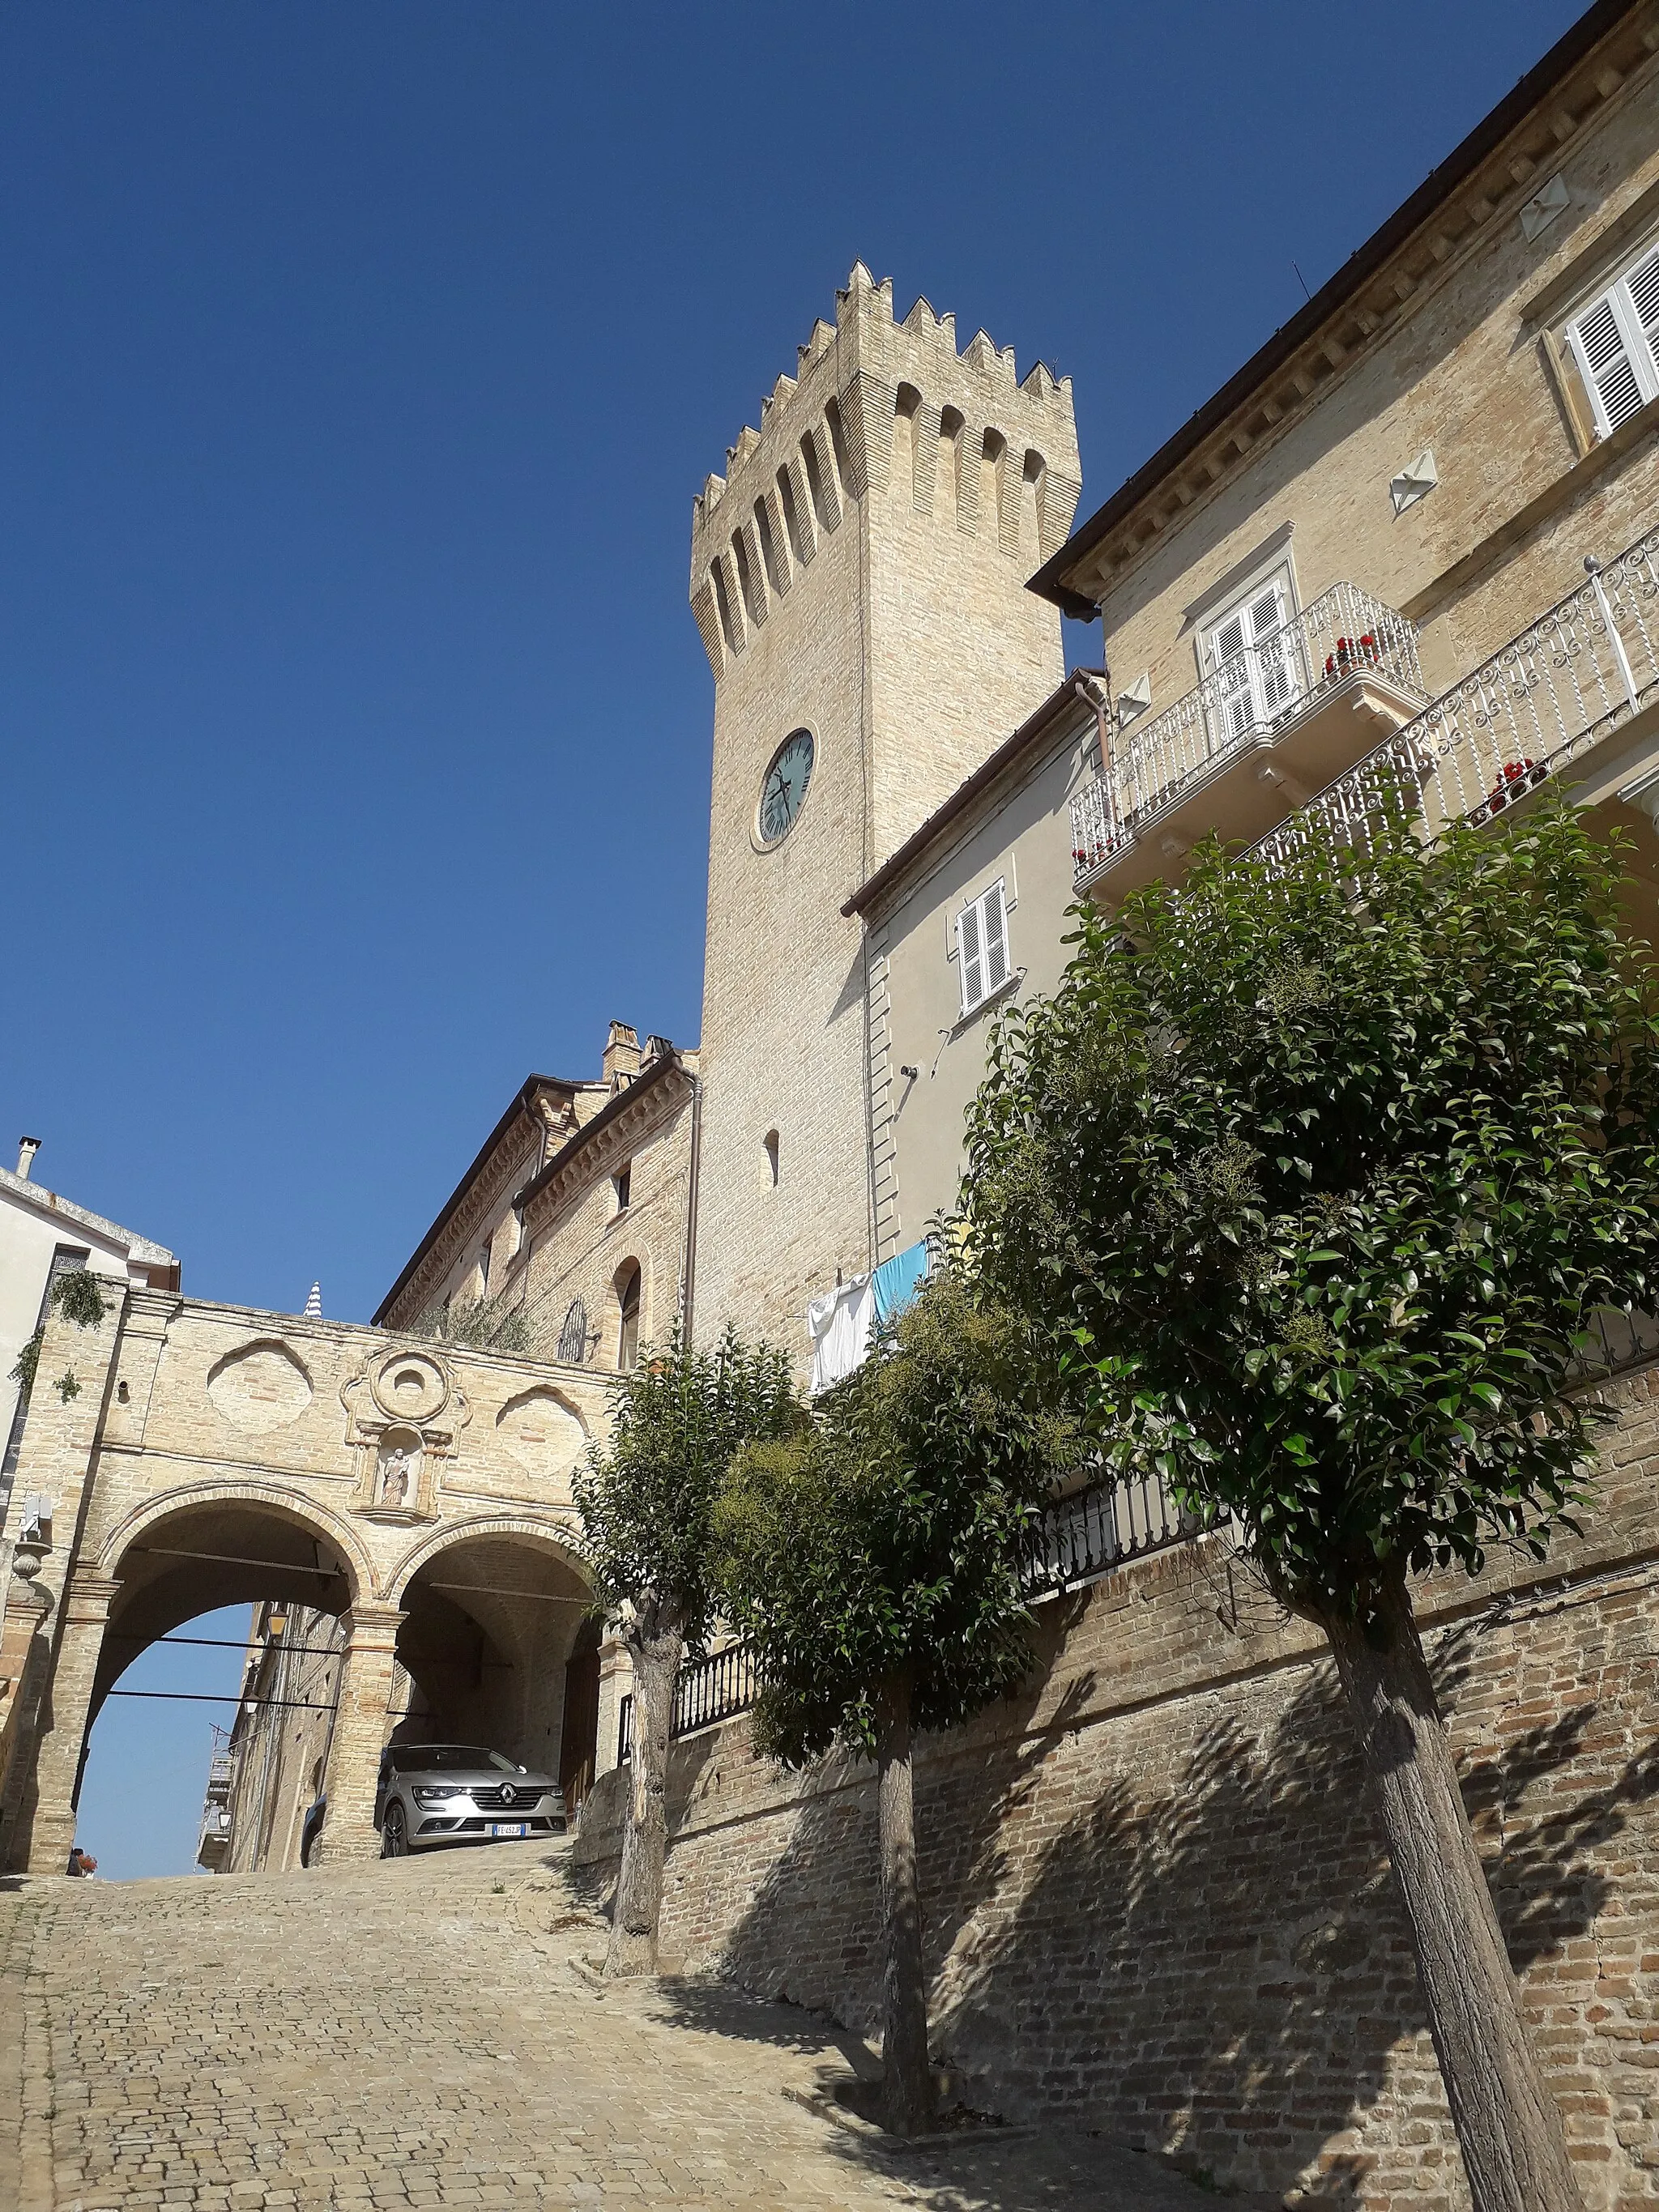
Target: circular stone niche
column 411, row 1386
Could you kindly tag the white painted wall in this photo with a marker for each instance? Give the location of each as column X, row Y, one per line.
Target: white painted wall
column 35, row 1223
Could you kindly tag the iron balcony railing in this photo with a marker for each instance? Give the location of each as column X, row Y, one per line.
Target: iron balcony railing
column 1084, row 1537
column 1577, row 672
column 1261, row 689
column 711, row 1690
column 1077, row 1540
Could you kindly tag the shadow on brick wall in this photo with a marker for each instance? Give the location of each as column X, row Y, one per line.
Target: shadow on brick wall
column 1179, row 1926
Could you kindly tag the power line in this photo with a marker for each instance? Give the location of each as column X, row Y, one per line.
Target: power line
column 220, row 1698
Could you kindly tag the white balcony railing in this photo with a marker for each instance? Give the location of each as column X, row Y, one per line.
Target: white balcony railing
column 1577, row 672
column 1258, row 692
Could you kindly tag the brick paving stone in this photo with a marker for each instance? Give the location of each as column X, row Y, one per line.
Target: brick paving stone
column 421, row 2034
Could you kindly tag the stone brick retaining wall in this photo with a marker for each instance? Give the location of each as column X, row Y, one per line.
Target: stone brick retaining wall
column 1155, row 1892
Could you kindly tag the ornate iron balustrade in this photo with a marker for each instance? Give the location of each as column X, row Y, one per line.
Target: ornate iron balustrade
column 1082, row 1537
column 1576, row 673
column 714, row 1690
column 1264, row 687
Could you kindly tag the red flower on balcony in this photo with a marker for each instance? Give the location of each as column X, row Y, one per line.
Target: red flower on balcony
column 1349, row 650
column 1512, row 772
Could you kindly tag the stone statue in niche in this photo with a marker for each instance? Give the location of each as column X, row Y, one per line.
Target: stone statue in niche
column 399, row 1463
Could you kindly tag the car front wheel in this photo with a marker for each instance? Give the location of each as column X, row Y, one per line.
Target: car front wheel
column 394, row 1834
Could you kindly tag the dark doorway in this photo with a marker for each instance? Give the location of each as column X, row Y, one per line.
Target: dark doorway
column 579, row 1741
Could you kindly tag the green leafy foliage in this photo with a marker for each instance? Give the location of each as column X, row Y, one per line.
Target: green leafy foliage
column 885, row 1540
column 77, row 1297
column 484, row 1324
column 647, row 1497
column 28, row 1364
column 1327, row 1190
column 69, row 1385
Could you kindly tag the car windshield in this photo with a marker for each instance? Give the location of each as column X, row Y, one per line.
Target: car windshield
column 450, row 1758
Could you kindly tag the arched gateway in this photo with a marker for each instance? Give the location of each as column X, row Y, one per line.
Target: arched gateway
column 192, row 1455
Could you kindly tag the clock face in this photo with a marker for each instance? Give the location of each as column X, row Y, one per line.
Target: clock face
column 783, row 790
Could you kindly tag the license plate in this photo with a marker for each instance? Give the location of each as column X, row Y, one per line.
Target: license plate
column 509, row 1828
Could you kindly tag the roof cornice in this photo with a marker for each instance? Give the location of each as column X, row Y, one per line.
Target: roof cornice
column 611, row 1130
column 1047, row 720
column 1487, row 179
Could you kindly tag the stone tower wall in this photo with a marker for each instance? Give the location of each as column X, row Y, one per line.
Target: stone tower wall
column 859, row 572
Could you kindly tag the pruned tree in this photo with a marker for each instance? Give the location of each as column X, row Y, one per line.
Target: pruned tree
column 1329, row 1176
column 646, row 1498
column 874, row 1564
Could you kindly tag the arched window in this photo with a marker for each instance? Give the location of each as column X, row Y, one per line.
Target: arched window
column 573, row 1337
column 950, row 428
column 993, row 454
column 627, row 1317
column 771, row 1142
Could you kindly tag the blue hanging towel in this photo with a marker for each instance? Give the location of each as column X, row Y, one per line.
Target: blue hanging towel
column 895, row 1281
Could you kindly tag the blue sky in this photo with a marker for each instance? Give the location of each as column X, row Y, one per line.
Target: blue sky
column 361, row 361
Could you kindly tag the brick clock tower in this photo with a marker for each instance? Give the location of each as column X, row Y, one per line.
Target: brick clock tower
column 858, row 580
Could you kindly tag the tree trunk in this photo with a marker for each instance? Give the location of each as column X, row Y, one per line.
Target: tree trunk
column 655, row 1642
column 908, row 2084
column 1508, row 2126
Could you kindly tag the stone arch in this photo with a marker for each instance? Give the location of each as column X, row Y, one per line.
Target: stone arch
column 491, row 1610
column 561, row 1540
column 320, row 1521
column 630, row 1269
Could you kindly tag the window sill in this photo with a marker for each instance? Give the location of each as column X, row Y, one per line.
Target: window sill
column 991, row 998
column 1566, row 487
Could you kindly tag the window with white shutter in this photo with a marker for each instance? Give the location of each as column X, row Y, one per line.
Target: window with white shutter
column 1615, row 343
column 982, row 947
column 1252, row 654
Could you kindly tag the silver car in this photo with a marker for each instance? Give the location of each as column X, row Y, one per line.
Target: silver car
column 455, row 1793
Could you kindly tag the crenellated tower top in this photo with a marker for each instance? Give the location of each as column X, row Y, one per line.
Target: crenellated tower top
column 967, row 429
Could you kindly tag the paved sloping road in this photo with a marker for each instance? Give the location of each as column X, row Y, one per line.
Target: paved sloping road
column 425, row 2033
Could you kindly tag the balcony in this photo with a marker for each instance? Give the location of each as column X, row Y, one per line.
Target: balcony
column 1277, row 720
column 1579, row 672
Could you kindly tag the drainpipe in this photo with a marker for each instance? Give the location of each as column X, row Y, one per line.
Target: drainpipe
column 688, row 1278
column 1087, row 686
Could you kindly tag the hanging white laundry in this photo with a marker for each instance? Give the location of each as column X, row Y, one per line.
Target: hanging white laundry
column 839, row 1325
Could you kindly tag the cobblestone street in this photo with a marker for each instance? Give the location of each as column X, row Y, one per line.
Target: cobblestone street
column 426, row 2033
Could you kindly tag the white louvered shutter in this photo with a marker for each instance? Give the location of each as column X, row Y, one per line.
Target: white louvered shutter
column 995, row 933
column 968, row 957
column 1616, row 345
column 982, row 947
column 1235, row 701
column 1274, row 652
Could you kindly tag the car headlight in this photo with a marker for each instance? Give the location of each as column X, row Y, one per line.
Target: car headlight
column 437, row 1796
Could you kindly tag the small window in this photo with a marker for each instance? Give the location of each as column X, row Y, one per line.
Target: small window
column 1614, row 345
column 1251, row 652
column 573, row 1337
column 628, row 1318
column 982, row 947
column 622, row 1183
column 771, row 1143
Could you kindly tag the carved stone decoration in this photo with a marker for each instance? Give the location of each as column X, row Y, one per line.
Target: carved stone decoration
column 259, row 1387
column 545, row 1434
column 411, row 1386
column 397, row 1471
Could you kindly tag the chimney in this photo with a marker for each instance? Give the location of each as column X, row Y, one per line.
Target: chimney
column 622, row 1056
column 27, row 1149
